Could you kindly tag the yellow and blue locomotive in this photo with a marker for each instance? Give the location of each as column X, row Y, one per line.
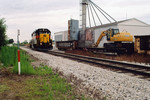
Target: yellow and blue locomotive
column 41, row 39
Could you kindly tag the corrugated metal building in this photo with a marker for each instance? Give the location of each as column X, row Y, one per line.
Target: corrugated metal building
column 61, row 36
column 70, row 34
column 73, row 29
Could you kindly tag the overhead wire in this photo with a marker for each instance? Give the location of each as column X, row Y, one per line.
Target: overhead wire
column 89, row 16
column 96, row 14
column 92, row 14
column 102, row 10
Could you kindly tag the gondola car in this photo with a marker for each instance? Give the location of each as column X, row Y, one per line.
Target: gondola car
column 41, row 39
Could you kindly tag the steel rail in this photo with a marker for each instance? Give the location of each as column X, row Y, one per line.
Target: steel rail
column 129, row 67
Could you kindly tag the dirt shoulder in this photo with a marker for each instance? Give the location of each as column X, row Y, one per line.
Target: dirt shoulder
column 11, row 84
column 137, row 58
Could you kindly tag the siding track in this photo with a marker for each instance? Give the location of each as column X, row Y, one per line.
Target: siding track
column 123, row 66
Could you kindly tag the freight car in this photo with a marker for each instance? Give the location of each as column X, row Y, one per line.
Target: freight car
column 41, row 39
column 65, row 45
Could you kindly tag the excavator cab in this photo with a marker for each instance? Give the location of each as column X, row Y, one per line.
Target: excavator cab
column 115, row 31
column 111, row 32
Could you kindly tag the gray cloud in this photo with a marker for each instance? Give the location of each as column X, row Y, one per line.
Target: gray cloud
column 27, row 15
column 122, row 3
column 34, row 6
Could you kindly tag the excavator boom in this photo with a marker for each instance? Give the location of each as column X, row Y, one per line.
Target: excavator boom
column 100, row 38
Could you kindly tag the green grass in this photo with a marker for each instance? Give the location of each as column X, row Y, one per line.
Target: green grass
column 9, row 57
column 49, row 86
column 43, row 70
column 26, row 67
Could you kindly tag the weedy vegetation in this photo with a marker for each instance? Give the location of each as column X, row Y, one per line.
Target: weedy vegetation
column 9, row 58
column 48, row 86
column 39, row 83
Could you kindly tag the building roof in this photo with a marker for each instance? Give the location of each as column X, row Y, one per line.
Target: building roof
column 60, row 32
column 116, row 23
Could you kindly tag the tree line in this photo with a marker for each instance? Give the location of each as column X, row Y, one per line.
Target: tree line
column 2, row 32
column 3, row 37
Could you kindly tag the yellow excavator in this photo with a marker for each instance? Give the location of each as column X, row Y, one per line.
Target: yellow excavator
column 120, row 42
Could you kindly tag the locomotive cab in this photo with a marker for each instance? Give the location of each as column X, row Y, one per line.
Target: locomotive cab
column 41, row 39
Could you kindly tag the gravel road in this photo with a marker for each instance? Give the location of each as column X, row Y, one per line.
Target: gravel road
column 113, row 85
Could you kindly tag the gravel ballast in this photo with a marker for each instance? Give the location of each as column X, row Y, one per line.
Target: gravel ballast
column 113, row 85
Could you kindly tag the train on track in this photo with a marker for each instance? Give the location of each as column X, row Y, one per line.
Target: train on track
column 41, row 39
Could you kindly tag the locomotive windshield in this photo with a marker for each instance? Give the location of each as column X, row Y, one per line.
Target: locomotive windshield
column 43, row 31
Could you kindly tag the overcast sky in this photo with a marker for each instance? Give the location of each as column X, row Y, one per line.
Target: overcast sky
column 28, row 15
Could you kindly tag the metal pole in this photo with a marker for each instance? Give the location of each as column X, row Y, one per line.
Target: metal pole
column 84, row 4
column 18, row 38
column 19, row 66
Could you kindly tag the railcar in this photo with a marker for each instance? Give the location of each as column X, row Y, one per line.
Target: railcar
column 41, row 39
column 66, row 45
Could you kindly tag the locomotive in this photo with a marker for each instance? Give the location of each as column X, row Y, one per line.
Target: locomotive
column 41, row 39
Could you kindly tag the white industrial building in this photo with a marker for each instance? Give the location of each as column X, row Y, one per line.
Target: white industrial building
column 61, row 36
column 133, row 26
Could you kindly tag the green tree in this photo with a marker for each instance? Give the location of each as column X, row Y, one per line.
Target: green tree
column 25, row 42
column 2, row 32
column 11, row 41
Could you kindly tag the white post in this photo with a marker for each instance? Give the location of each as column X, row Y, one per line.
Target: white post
column 19, row 71
column 19, row 67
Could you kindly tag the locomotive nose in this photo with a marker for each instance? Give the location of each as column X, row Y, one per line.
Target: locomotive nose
column 44, row 38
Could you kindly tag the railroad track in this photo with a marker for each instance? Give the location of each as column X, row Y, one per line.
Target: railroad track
column 124, row 66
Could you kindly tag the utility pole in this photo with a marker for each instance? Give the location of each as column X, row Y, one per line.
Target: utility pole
column 18, row 38
column 19, row 66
